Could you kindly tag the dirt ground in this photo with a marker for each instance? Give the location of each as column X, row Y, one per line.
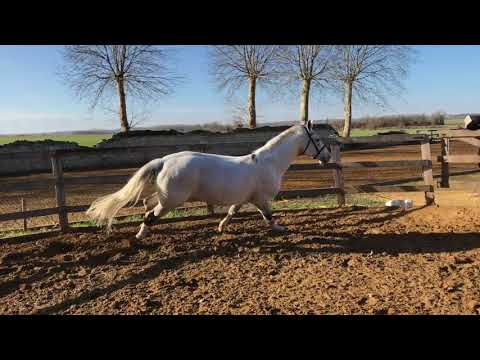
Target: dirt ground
column 43, row 197
column 335, row 261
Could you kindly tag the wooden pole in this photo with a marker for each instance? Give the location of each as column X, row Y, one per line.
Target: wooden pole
column 23, row 206
column 444, row 183
column 57, row 169
column 427, row 172
column 338, row 174
column 478, row 152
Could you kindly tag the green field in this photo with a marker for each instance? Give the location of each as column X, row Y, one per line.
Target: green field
column 453, row 123
column 424, row 130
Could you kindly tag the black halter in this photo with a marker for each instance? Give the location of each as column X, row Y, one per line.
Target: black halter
column 310, row 140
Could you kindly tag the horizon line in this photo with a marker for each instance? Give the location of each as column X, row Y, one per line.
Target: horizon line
column 267, row 123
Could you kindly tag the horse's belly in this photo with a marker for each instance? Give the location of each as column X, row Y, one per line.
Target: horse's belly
column 223, row 190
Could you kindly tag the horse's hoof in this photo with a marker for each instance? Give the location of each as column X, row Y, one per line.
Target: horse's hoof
column 143, row 232
column 279, row 228
column 221, row 226
column 132, row 242
column 141, row 236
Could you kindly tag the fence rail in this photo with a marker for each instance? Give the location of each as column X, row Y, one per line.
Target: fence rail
column 460, row 159
column 121, row 179
column 471, row 137
column 459, row 133
column 58, row 180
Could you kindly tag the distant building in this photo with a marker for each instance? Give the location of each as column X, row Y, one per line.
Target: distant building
column 472, row 122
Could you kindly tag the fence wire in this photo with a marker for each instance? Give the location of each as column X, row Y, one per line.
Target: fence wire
column 43, row 196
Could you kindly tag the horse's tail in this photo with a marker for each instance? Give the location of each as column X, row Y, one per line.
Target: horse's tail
column 103, row 209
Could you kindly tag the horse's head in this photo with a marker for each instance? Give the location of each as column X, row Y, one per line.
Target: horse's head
column 314, row 146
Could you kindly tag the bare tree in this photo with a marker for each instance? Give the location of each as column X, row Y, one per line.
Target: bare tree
column 371, row 71
column 139, row 71
column 240, row 113
column 137, row 113
column 235, row 65
column 308, row 64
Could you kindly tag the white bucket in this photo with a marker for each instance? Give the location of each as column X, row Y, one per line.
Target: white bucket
column 405, row 204
column 408, row 204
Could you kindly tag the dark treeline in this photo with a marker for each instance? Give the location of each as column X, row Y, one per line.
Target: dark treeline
column 393, row 121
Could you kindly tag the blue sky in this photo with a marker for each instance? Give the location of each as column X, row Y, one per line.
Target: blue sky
column 33, row 99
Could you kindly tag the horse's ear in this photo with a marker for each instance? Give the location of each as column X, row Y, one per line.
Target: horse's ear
column 310, row 125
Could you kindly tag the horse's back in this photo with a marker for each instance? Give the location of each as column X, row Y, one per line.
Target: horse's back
column 214, row 178
column 193, row 159
column 213, row 157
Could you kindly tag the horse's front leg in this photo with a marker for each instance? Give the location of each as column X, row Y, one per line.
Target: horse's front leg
column 266, row 212
column 232, row 211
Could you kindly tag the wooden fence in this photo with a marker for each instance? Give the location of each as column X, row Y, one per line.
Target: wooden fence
column 58, row 180
column 471, row 137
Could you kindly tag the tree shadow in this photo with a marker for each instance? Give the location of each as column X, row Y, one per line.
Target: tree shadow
column 391, row 244
column 50, row 249
column 102, row 258
column 263, row 242
column 144, row 275
column 391, row 213
column 250, row 215
column 388, row 215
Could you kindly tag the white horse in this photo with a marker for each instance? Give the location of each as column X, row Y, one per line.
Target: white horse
column 215, row 179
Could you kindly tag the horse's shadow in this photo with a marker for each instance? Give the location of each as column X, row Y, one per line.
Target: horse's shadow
column 336, row 241
column 391, row 244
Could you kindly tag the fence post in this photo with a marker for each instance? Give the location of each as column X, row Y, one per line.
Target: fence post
column 478, row 153
column 427, row 171
column 338, row 174
column 444, row 183
column 57, row 169
column 23, row 206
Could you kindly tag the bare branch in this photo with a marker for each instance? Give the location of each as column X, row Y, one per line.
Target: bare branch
column 374, row 70
column 136, row 71
column 304, row 62
column 306, row 65
column 370, row 72
column 233, row 66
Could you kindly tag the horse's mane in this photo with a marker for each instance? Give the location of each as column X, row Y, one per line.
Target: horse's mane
column 280, row 138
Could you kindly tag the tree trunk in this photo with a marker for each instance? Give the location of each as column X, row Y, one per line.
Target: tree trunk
column 304, row 97
column 347, row 108
column 252, row 114
column 123, row 106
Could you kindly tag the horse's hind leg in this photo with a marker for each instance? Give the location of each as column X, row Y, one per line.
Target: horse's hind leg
column 232, row 211
column 146, row 202
column 266, row 211
column 210, row 209
column 151, row 218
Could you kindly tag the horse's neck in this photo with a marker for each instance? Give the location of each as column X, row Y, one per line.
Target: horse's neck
column 281, row 155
